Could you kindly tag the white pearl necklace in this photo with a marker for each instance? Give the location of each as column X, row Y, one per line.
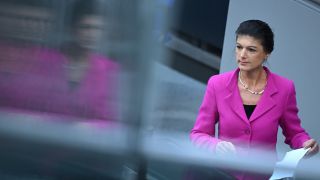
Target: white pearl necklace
column 247, row 88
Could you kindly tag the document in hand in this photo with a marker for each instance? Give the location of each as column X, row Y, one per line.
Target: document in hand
column 285, row 168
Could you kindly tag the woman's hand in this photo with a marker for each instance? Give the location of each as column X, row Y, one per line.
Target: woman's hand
column 225, row 147
column 311, row 143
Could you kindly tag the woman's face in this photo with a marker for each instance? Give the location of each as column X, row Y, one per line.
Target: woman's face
column 89, row 31
column 250, row 54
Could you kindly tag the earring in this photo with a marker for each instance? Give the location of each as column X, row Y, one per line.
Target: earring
column 264, row 62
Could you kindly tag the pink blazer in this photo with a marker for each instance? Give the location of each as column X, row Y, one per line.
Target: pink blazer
column 222, row 104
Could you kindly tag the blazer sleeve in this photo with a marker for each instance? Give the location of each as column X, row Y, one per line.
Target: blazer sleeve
column 202, row 134
column 290, row 123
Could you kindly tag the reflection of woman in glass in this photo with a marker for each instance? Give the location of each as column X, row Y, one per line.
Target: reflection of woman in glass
column 88, row 84
column 86, row 30
column 251, row 102
column 75, row 81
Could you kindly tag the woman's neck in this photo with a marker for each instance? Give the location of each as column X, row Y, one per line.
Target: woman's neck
column 75, row 52
column 254, row 77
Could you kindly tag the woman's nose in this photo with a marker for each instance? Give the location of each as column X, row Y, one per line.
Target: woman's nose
column 243, row 53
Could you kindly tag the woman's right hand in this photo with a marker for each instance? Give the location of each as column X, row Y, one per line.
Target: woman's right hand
column 224, row 148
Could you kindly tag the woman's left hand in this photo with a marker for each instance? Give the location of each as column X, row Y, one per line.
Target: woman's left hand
column 311, row 143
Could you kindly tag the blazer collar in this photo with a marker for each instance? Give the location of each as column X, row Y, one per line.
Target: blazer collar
column 265, row 103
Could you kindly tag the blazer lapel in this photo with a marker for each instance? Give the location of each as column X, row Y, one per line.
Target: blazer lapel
column 266, row 102
column 233, row 97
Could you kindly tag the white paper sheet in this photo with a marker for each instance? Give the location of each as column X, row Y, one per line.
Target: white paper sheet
column 286, row 167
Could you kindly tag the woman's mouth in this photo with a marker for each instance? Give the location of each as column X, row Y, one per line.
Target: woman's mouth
column 243, row 62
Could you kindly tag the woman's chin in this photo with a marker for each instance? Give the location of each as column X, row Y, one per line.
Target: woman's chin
column 244, row 68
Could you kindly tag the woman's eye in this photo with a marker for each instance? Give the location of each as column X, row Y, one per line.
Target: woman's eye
column 239, row 47
column 251, row 50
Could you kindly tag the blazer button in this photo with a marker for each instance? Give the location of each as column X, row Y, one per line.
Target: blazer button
column 247, row 131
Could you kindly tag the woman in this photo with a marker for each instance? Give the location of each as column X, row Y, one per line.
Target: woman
column 85, row 78
column 251, row 102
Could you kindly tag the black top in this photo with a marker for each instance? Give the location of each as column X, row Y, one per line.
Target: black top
column 249, row 109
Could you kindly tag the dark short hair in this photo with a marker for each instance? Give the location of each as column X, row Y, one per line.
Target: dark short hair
column 259, row 30
column 86, row 7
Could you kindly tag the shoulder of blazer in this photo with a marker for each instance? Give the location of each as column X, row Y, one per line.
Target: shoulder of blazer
column 281, row 82
column 221, row 79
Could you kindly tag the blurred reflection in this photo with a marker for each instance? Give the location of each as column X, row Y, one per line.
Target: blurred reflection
column 88, row 78
column 42, row 83
column 75, row 81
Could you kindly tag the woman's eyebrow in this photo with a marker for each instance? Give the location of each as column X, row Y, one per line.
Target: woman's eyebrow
column 248, row 46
